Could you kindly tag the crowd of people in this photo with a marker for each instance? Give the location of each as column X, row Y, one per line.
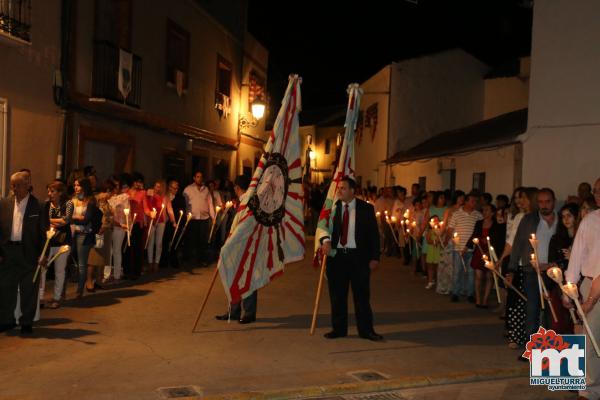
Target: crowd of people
column 455, row 239
column 100, row 234
column 122, row 228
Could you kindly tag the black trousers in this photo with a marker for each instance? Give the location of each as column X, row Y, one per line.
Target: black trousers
column 196, row 240
column 133, row 259
column 344, row 270
column 169, row 257
column 248, row 304
column 17, row 273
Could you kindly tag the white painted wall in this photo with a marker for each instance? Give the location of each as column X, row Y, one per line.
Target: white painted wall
column 498, row 165
column 372, row 151
column 563, row 137
column 434, row 94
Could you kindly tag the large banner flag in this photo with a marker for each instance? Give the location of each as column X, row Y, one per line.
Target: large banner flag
column 345, row 167
column 268, row 228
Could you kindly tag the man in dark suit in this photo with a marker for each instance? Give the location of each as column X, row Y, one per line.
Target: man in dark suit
column 353, row 249
column 21, row 242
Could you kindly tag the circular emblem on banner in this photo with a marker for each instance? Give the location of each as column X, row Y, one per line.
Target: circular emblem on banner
column 268, row 202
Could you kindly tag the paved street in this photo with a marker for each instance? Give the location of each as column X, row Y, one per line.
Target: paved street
column 509, row 389
column 130, row 341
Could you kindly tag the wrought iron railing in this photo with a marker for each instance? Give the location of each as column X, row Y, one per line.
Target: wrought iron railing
column 105, row 75
column 15, row 18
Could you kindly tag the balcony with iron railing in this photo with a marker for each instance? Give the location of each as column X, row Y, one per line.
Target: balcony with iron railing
column 105, row 75
column 15, row 21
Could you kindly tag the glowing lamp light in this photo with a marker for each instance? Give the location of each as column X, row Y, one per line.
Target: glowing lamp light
column 258, row 109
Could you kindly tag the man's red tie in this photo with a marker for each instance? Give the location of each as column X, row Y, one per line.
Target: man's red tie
column 345, row 222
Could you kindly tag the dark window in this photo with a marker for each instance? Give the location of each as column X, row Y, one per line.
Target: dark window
column 178, row 53
column 479, row 182
column 224, row 70
column 113, row 22
column 327, row 146
column 423, row 183
column 257, row 89
column 15, row 18
column 448, row 179
column 174, row 167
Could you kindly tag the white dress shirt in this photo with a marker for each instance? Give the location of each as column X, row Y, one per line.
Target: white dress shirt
column 199, row 202
column 544, row 233
column 16, row 233
column 351, row 239
column 585, row 254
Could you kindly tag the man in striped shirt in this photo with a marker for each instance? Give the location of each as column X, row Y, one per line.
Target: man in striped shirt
column 463, row 223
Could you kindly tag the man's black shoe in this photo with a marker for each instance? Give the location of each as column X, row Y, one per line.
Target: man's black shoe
column 372, row 336
column 226, row 317
column 26, row 329
column 333, row 335
column 471, row 299
column 7, row 327
column 247, row 319
column 454, row 298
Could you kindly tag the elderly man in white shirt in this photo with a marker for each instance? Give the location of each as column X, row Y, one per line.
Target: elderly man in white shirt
column 21, row 241
column 198, row 202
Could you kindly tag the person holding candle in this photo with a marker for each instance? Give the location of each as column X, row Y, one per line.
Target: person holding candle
column 558, row 255
column 134, row 254
column 583, row 264
column 433, row 251
column 463, row 223
column 58, row 210
column 118, row 203
column 537, row 228
column 487, row 227
column 99, row 258
column 416, row 235
column 178, row 206
column 160, row 204
column 22, row 236
column 84, row 205
column 523, row 202
column 199, row 203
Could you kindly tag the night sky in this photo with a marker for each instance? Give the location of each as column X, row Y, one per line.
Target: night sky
column 332, row 47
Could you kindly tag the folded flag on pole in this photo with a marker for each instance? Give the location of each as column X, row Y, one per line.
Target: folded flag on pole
column 268, row 228
column 345, row 167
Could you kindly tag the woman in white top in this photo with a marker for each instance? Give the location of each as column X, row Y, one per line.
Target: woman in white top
column 522, row 203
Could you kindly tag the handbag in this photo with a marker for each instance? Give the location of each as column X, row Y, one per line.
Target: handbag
column 99, row 241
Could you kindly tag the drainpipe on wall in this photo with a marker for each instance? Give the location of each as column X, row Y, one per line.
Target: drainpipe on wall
column 4, row 112
column 60, row 86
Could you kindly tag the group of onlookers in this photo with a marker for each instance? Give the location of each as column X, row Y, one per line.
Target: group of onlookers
column 103, row 233
column 455, row 239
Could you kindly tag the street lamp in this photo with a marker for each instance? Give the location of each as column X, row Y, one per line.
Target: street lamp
column 258, row 111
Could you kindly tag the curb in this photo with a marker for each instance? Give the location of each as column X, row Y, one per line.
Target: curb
column 376, row 386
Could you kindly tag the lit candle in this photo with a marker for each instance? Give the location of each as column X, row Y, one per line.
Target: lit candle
column 176, row 227
column 126, row 212
column 49, row 234
column 189, row 217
